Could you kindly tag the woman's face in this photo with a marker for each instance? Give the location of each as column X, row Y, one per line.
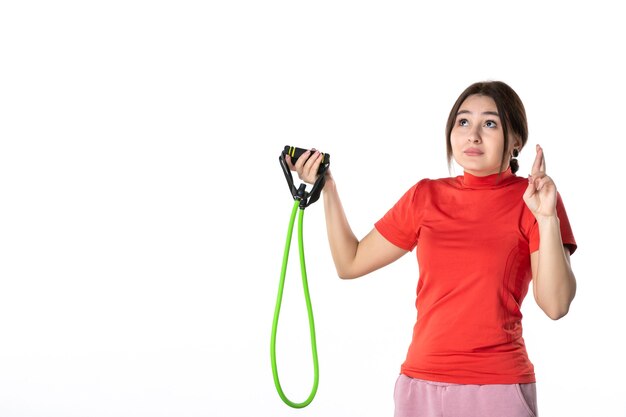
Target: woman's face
column 477, row 138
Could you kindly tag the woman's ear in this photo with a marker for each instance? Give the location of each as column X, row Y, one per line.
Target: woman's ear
column 517, row 143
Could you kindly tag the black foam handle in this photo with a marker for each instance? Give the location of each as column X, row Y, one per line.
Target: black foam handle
column 296, row 153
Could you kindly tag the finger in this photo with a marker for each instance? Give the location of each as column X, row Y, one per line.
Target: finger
column 536, row 180
column 302, row 160
column 538, row 175
column 313, row 163
column 538, row 161
column 533, row 178
column 308, row 156
column 543, row 182
column 291, row 166
column 539, row 183
column 540, row 180
column 530, row 190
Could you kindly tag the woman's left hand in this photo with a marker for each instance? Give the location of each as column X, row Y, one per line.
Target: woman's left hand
column 540, row 196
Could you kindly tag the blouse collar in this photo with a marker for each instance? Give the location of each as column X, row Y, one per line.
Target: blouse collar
column 468, row 180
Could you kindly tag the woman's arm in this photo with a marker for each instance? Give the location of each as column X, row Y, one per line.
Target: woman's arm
column 354, row 258
column 554, row 284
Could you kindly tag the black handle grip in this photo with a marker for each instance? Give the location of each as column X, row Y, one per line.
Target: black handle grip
column 296, row 153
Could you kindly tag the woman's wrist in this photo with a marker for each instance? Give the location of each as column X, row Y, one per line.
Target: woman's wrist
column 329, row 184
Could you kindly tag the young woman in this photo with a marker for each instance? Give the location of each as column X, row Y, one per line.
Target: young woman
column 480, row 237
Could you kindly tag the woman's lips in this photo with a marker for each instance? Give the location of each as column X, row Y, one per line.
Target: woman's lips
column 473, row 152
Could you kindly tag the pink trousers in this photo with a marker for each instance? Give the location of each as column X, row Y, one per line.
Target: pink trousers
column 419, row 398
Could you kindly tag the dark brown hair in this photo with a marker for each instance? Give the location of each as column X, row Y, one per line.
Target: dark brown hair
column 511, row 111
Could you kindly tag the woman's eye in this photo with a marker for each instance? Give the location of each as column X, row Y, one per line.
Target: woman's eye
column 463, row 122
column 490, row 124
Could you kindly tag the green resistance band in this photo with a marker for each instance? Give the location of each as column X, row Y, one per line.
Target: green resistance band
column 302, row 200
column 307, row 297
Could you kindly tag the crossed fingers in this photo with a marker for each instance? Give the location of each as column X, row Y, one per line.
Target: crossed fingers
column 538, row 175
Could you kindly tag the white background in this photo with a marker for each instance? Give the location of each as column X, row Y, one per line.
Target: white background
column 143, row 211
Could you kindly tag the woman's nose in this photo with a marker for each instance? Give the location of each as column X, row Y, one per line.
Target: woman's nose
column 474, row 137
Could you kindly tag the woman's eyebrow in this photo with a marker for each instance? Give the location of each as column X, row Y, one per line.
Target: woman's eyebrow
column 492, row 113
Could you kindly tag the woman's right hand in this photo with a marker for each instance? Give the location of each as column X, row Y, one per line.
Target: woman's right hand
column 307, row 165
